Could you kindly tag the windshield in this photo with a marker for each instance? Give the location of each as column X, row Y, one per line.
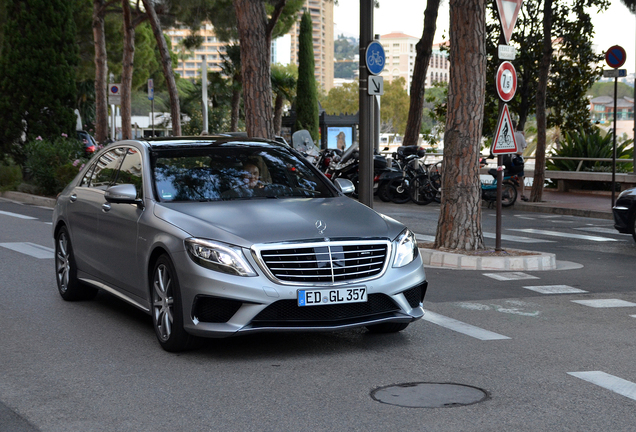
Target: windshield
column 234, row 171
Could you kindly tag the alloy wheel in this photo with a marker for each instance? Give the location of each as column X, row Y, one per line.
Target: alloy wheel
column 163, row 302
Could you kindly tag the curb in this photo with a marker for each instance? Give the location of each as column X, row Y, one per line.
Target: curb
column 539, row 208
column 29, row 199
column 535, row 262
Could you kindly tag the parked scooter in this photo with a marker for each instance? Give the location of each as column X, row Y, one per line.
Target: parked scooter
column 509, row 185
column 347, row 165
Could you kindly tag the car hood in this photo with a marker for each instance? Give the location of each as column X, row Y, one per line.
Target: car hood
column 249, row 222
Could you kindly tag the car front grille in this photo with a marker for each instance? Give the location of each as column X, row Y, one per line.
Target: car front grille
column 287, row 312
column 325, row 262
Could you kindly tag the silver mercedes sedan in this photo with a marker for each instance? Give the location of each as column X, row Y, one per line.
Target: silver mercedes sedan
column 220, row 236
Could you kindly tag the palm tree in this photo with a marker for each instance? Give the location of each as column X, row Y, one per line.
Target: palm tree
column 284, row 89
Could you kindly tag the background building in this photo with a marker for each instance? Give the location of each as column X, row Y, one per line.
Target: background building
column 284, row 49
column 400, row 52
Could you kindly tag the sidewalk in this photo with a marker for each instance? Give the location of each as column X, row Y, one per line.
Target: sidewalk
column 575, row 203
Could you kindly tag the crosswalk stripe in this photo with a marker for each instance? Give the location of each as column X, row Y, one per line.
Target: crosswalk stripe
column 609, row 382
column 461, row 327
column 31, row 249
column 601, row 230
column 517, row 239
column 605, row 303
column 509, row 276
column 560, row 234
column 16, row 215
column 555, row 289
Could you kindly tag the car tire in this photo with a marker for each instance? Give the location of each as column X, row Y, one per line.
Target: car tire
column 167, row 313
column 632, row 224
column 387, row 327
column 68, row 285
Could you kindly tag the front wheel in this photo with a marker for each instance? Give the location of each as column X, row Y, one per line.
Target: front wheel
column 508, row 195
column 632, row 223
column 167, row 315
column 422, row 192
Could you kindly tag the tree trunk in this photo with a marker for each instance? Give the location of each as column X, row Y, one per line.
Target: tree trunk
column 279, row 103
column 101, row 73
column 236, row 109
column 424, row 48
column 542, row 87
column 459, row 224
column 255, row 41
column 127, row 71
column 166, row 63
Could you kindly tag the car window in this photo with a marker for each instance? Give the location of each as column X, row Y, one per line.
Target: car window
column 105, row 168
column 130, row 171
column 230, row 171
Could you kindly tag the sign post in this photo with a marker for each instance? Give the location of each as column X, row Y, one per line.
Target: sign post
column 151, row 96
column 615, row 58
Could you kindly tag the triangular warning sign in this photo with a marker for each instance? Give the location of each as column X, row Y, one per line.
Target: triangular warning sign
column 508, row 11
column 504, row 141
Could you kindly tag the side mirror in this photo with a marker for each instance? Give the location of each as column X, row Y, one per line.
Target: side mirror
column 122, row 194
column 345, row 185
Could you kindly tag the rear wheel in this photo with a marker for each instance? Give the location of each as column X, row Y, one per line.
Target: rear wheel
column 383, row 191
column 68, row 285
column 399, row 191
column 632, row 224
column 508, row 194
column 422, row 192
column 387, row 327
column 167, row 313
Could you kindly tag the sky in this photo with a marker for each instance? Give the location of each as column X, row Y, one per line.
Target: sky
column 615, row 26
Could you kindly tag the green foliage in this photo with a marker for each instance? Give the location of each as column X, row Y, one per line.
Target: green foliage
column 591, row 145
column 10, row 177
column 573, row 68
column 306, row 94
column 607, row 89
column 345, row 48
column 37, row 72
column 395, row 106
column 342, row 100
column 51, row 164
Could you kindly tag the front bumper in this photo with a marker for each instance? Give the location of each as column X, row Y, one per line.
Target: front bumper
column 218, row 305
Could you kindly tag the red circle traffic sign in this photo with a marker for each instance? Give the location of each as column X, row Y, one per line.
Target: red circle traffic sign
column 615, row 56
column 506, row 81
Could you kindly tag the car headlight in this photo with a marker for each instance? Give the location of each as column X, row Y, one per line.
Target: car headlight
column 406, row 250
column 218, row 256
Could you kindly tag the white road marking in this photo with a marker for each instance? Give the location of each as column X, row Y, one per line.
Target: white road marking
column 426, row 238
column 609, row 382
column 16, row 215
column 560, row 234
column 605, row 303
column 460, row 327
column 31, row 249
column 517, row 239
column 601, row 230
column 633, row 316
column 555, row 289
column 508, row 276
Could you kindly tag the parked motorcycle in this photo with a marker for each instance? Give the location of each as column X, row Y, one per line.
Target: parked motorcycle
column 347, row 166
column 509, row 185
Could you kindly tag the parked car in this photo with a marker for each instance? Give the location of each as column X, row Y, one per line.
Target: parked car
column 222, row 236
column 89, row 142
column 625, row 212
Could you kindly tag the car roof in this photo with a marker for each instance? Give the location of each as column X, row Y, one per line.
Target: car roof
column 159, row 143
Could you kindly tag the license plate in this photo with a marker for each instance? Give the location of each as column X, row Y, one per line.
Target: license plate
column 319, row 297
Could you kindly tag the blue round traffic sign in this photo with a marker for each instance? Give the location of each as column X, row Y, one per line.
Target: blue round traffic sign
column 615, row 56
column 375, row 57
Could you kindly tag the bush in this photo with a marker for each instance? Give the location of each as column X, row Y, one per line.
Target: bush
column 10, row 177
column 591, row 145
column 51, row 164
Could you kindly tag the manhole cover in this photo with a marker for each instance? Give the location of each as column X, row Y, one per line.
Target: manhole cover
column 429, row 395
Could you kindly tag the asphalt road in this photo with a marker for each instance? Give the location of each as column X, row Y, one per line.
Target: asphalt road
column 563, row 358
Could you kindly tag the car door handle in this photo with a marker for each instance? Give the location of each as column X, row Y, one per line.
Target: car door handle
column 106, row 207
column 73, row 198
